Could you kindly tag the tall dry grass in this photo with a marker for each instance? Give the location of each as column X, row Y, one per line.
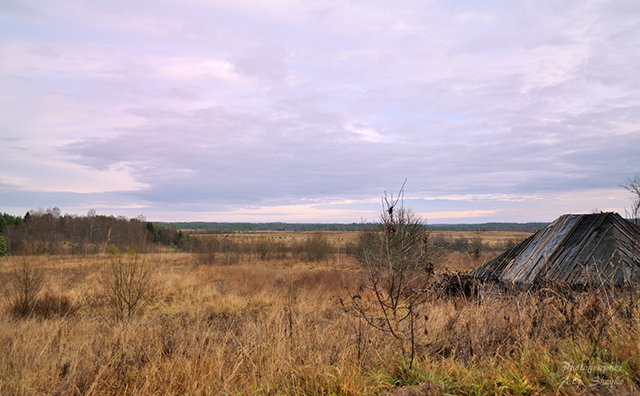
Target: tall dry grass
column 277, row 327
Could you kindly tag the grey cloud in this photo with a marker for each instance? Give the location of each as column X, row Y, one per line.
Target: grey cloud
column 214, row 153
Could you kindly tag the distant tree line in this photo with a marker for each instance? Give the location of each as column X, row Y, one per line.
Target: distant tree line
column 48, row 231
column 216, row 227
column 517, row 227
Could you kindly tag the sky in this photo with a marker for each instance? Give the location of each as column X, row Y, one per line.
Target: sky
column 308, row 111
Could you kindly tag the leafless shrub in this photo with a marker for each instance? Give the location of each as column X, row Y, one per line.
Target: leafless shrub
column 221, row 250
column 353, row 249
column 476, row 247
column 207, row 248
column 394, row 255
column 314, row 248
column 266, row 248
column 128, row 284
column 263, row 248
column 27, row 282
column 507, row 244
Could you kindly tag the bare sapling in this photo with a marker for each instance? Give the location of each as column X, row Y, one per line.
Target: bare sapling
column 394, row 255
column 27, row 282
column 127, row 283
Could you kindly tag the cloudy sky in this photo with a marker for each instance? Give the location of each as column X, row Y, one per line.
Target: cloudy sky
column 307, row 111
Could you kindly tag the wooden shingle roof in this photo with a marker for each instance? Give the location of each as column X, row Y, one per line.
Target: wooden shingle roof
column 577, row 249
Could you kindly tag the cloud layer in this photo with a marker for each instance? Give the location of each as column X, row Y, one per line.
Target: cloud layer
column 308, row 111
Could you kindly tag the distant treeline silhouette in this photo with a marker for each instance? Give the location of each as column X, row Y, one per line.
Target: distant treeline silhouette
column 515, row 227
column 215, row 227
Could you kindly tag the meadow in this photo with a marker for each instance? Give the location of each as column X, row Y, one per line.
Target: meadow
column 282, row 324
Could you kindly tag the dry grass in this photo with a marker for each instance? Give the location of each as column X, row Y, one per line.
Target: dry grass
column 491, row 238
column 341, row 238
column 277, row 327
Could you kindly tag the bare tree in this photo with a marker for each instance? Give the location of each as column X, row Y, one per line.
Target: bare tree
column 395, row 257
column 633, row 186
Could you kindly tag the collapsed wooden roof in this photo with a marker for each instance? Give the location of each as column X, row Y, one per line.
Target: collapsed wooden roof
column 588, row 249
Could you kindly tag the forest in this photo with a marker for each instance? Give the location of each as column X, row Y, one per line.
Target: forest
column 50, row 232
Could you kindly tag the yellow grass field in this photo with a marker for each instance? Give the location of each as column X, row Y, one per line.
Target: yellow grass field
column 492, row 238
column 279, row 327
column 340, row 238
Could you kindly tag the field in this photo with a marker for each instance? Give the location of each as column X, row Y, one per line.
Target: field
column 284, row 326
column 340, row 238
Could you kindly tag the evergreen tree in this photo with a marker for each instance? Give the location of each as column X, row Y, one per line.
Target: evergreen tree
column 3, row 246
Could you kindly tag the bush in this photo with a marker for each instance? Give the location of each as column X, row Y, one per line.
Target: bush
column 263, row 248
column 476, row 247
column 461, row 244
column 27, row 282
column 507, row 244
column 228, row 246
column 113, row 250
column 128, row 284
column 207, row 249
column 315, row 248
column 353, row 249
column 267, row 248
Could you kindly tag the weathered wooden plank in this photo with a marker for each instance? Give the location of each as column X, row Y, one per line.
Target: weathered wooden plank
column 528, row 265
column 576, row 249
column 583, row 238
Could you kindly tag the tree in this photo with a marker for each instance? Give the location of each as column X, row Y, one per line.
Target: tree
column 395, row 256
column 155, row 232
column 55, row 212
column 633, row 186
column 3, row 246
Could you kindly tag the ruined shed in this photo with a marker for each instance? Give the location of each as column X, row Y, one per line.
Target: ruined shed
column 577, row 249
